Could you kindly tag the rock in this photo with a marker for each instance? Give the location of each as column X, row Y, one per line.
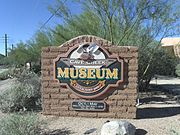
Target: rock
column 118, row 128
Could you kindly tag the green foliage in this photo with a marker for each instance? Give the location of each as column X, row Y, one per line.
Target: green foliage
column 7, row 73
column 29, row 52
column 24, row 96
column 4, row 75
column 4, row 61
column 122, row 22
column 16, row 124
column 174, row 132
column 36, row 69
column 42, row 39
column 133, row 23
column 19, row 55
column 1, row 57
column 178, row 70
column 118, row 21
column 162, row 64
column 78, row 25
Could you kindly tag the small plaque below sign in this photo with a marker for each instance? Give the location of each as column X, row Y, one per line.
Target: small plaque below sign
column 88, row 105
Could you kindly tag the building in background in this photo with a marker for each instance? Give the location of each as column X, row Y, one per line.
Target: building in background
column 172, row 45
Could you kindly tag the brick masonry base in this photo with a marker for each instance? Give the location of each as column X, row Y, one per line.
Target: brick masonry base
column 121, row 101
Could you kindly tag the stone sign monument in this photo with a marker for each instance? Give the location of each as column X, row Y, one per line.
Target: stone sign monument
column 89, row 77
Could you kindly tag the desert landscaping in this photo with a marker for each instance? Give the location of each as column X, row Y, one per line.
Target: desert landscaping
column 158, row 114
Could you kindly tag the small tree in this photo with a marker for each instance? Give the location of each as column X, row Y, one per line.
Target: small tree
column 19, row 55
column 29, row 52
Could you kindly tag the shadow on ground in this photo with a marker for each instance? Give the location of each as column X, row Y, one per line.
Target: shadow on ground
column 63, row 131
column 140, row 132
column 148, row 100
column 173, row 89
column 157, row 112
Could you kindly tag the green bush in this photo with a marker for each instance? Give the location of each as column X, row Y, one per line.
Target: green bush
column 178, row 70
column 24, row 96
column 36, row 68
column 7, row 73
column 10, row 73
column 4, row 75
column 16, row 124
column 2, row 59
column 1, row 56
column 161, row 64
column 174, row 131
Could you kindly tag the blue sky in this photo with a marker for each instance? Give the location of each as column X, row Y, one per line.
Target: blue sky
column 20, row 19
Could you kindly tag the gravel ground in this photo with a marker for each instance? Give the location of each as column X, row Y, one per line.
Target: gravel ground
column 154, row 119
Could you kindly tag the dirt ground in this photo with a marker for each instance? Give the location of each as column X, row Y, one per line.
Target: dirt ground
column 158, row 114
column 153, row 119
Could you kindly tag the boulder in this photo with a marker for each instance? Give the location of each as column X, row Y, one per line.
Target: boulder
column 122, row 127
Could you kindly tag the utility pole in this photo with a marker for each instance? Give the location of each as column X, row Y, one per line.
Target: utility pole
column 6, row 39
column 12, row 47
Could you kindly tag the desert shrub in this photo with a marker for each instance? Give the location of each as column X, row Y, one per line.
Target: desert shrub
column 36, row 68
column 178, row 70
column 24, row 96
column 2, row 59
column 1, row 56
column 24, row 124
column 5, row 74
column 174, row 131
